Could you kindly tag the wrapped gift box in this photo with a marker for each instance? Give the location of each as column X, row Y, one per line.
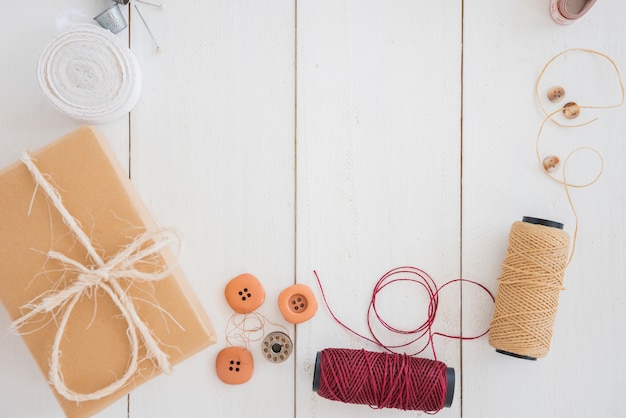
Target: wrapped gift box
column 95, row 346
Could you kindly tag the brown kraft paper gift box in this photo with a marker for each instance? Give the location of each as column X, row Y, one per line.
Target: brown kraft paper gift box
column 95, row 346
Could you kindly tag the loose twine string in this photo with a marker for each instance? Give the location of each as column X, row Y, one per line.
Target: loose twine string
column 537, row 256
column 549, row 116
column 244, row 329
column 89, row 75
column 103, row 275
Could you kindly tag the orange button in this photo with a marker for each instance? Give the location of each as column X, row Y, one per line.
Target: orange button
column 244, row 293
column 297, row 303
column 234, row 365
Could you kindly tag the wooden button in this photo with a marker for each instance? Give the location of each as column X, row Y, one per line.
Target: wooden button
column 234, row 365
column 571, row 110
column 244, row 293
column 556, row 93
column 551, row 163
column 277, row 347
column 297, row 303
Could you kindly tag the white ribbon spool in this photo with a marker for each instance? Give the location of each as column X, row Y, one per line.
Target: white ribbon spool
column 88, row 74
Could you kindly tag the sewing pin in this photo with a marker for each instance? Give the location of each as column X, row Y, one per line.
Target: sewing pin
column 147, row 27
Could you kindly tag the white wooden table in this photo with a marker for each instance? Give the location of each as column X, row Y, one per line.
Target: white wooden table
column 351, row 137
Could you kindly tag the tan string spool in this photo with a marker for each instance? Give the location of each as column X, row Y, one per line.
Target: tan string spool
column 528, row 289
column 534, row 267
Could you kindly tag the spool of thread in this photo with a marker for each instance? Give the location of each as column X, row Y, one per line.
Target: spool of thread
column 528, row 288
column 88, row 74
column 383, row 380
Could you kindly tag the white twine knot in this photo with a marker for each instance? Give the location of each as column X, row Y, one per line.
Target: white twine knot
column 129, row 263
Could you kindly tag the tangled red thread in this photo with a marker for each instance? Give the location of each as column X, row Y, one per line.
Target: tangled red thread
column 424, row 330
column 382, row 380
column 390, row 379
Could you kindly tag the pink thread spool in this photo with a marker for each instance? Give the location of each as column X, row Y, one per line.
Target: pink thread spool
column 383, row 380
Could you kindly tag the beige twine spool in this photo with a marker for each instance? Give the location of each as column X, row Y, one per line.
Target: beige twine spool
column 528, row 291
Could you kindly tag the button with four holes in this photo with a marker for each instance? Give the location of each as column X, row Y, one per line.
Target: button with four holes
column 234, row 365
column 556, row 93
column 277, row 347
column 244, row 293
column 297, row 303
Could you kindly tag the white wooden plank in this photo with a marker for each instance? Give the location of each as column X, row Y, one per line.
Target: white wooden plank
column 505, row 51
column 378, row 146
column 29, row 122
column 213, row 154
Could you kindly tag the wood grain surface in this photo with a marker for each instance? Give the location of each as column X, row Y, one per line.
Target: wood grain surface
column 349, row 137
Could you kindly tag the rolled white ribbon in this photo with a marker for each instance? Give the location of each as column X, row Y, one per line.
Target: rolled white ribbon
column 88, row 74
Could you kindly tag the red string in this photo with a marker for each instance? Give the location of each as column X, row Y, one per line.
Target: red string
column 382, row 380
column 414, row 275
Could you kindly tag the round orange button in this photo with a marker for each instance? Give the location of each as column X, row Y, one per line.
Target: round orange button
column 244, row 293
column 297, row 303
column 234, row 365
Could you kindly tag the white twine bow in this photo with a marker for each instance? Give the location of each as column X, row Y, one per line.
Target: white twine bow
column 103, row 275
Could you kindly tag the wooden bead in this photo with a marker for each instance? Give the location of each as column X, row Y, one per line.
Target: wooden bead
column 551, row 163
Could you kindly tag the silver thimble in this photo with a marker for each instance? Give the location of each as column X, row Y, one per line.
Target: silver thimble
column 112, row 19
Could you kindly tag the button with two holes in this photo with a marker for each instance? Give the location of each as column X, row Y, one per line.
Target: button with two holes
column 244, row 293
column 234, row 365
column 277, row 347
column 297, row 303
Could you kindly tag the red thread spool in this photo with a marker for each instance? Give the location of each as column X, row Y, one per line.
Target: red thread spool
column 383, row 380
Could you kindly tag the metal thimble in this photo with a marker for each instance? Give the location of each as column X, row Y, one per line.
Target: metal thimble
column 112, row 19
